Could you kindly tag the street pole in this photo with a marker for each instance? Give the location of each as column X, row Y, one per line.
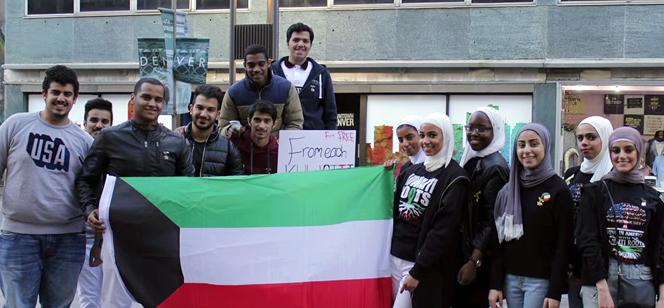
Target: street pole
column 231, row 56
column 175, row 34
column 273, row 18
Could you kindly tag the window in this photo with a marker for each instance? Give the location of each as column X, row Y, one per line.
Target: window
column 500, row 1
column 429, row 1
column 104, row 5
column 155, row 4
column 220, row 4
column 50, row 6
column 343, row 2
column 302, row 3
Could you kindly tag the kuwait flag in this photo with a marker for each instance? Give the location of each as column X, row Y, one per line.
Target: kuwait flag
column 291, row 240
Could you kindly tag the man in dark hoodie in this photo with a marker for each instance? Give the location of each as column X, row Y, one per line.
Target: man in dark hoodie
column 260, row 84
column 259, row 148
column 312, row 80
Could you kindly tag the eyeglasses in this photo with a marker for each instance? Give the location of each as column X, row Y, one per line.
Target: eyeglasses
column 478, row 129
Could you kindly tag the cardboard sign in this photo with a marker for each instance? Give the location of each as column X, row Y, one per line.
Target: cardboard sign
column 313, row 150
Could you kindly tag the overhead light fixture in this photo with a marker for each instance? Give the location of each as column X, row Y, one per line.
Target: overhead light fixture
column 617, row 88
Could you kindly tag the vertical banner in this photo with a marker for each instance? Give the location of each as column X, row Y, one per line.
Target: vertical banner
column 191, row 58
column 182, row 89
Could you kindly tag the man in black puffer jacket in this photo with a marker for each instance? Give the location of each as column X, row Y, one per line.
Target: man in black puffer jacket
column 212, row 155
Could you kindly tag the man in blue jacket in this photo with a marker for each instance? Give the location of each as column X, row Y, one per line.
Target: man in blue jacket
column 260, row 84
column 312, row 80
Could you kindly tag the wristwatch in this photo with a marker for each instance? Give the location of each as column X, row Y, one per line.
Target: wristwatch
column 478, row 263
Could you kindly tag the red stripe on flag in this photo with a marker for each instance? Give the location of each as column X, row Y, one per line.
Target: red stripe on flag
column 360, row 293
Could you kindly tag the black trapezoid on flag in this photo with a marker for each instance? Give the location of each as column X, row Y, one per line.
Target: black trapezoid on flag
column 147, row 246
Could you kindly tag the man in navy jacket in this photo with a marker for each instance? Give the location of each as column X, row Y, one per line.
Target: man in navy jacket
column 312, row 80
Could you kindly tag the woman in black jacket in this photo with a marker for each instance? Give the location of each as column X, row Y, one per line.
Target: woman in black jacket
column 428, row 206
column 488, row 174
column 592, row 139
column 619, row 232
column 533, row 216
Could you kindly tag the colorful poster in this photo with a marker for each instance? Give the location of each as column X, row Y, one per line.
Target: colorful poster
column 635, row 121
column 574, row 104
column 654, row 105
column 614, row 104
column 652, row 123
column 516, row 111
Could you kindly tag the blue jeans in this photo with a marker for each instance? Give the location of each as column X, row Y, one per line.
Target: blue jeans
column 44, row 265
column 637, row 275
column 525, row 292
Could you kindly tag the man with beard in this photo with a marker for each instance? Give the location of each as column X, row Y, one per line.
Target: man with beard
column 312, row 80
column 139, row 147
column 259, row 148
column 42, row 242
column 212, row 155
column 98, row 115
column 260, row 84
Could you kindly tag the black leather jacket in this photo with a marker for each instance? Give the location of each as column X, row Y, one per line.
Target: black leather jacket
column 130, row 149
column 490, row 175
column 220, row 156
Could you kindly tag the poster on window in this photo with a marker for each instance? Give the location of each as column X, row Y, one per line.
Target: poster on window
column 574, row 104
column 634, row 104
column 635, row 121
column 654, row 105
column 614, row 104
column 652, row 123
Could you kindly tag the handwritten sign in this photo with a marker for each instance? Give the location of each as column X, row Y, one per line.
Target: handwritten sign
column 652, row 124
column 313, row 150
column 634, row 104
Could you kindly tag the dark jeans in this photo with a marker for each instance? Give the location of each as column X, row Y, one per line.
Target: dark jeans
column 44, row 265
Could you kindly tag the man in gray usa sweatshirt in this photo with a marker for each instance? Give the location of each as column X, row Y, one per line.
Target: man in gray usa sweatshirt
column 42, row 238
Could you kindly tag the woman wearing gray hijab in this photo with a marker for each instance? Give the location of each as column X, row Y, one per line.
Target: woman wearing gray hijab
column 533, row 216
column 619, row 232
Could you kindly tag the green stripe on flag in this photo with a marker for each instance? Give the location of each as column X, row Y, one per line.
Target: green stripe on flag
column 277, row 200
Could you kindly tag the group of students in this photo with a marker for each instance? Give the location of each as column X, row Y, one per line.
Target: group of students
column 473, row 233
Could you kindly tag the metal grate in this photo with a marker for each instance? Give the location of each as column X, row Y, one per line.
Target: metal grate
column 246, row 35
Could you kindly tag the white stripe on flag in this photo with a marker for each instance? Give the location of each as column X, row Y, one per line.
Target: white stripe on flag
column 244, row 256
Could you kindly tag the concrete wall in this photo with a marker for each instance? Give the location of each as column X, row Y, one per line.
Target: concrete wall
column 545, row 31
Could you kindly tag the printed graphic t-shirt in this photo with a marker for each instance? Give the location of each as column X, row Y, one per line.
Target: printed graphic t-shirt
column 627, row 223
column 414, row 199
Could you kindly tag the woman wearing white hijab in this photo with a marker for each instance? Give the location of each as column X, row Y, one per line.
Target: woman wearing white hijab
column 408, row 133
column 488, row 172
column 592, row 138
column 429, row 201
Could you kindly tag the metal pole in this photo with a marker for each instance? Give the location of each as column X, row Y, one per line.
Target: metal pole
column 175, row 34
column 231, row 56
column 275, row 29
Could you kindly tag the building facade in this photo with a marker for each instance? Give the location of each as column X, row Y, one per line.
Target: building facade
column 388, row 58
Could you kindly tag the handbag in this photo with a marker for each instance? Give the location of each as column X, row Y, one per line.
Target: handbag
column 628, row 289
